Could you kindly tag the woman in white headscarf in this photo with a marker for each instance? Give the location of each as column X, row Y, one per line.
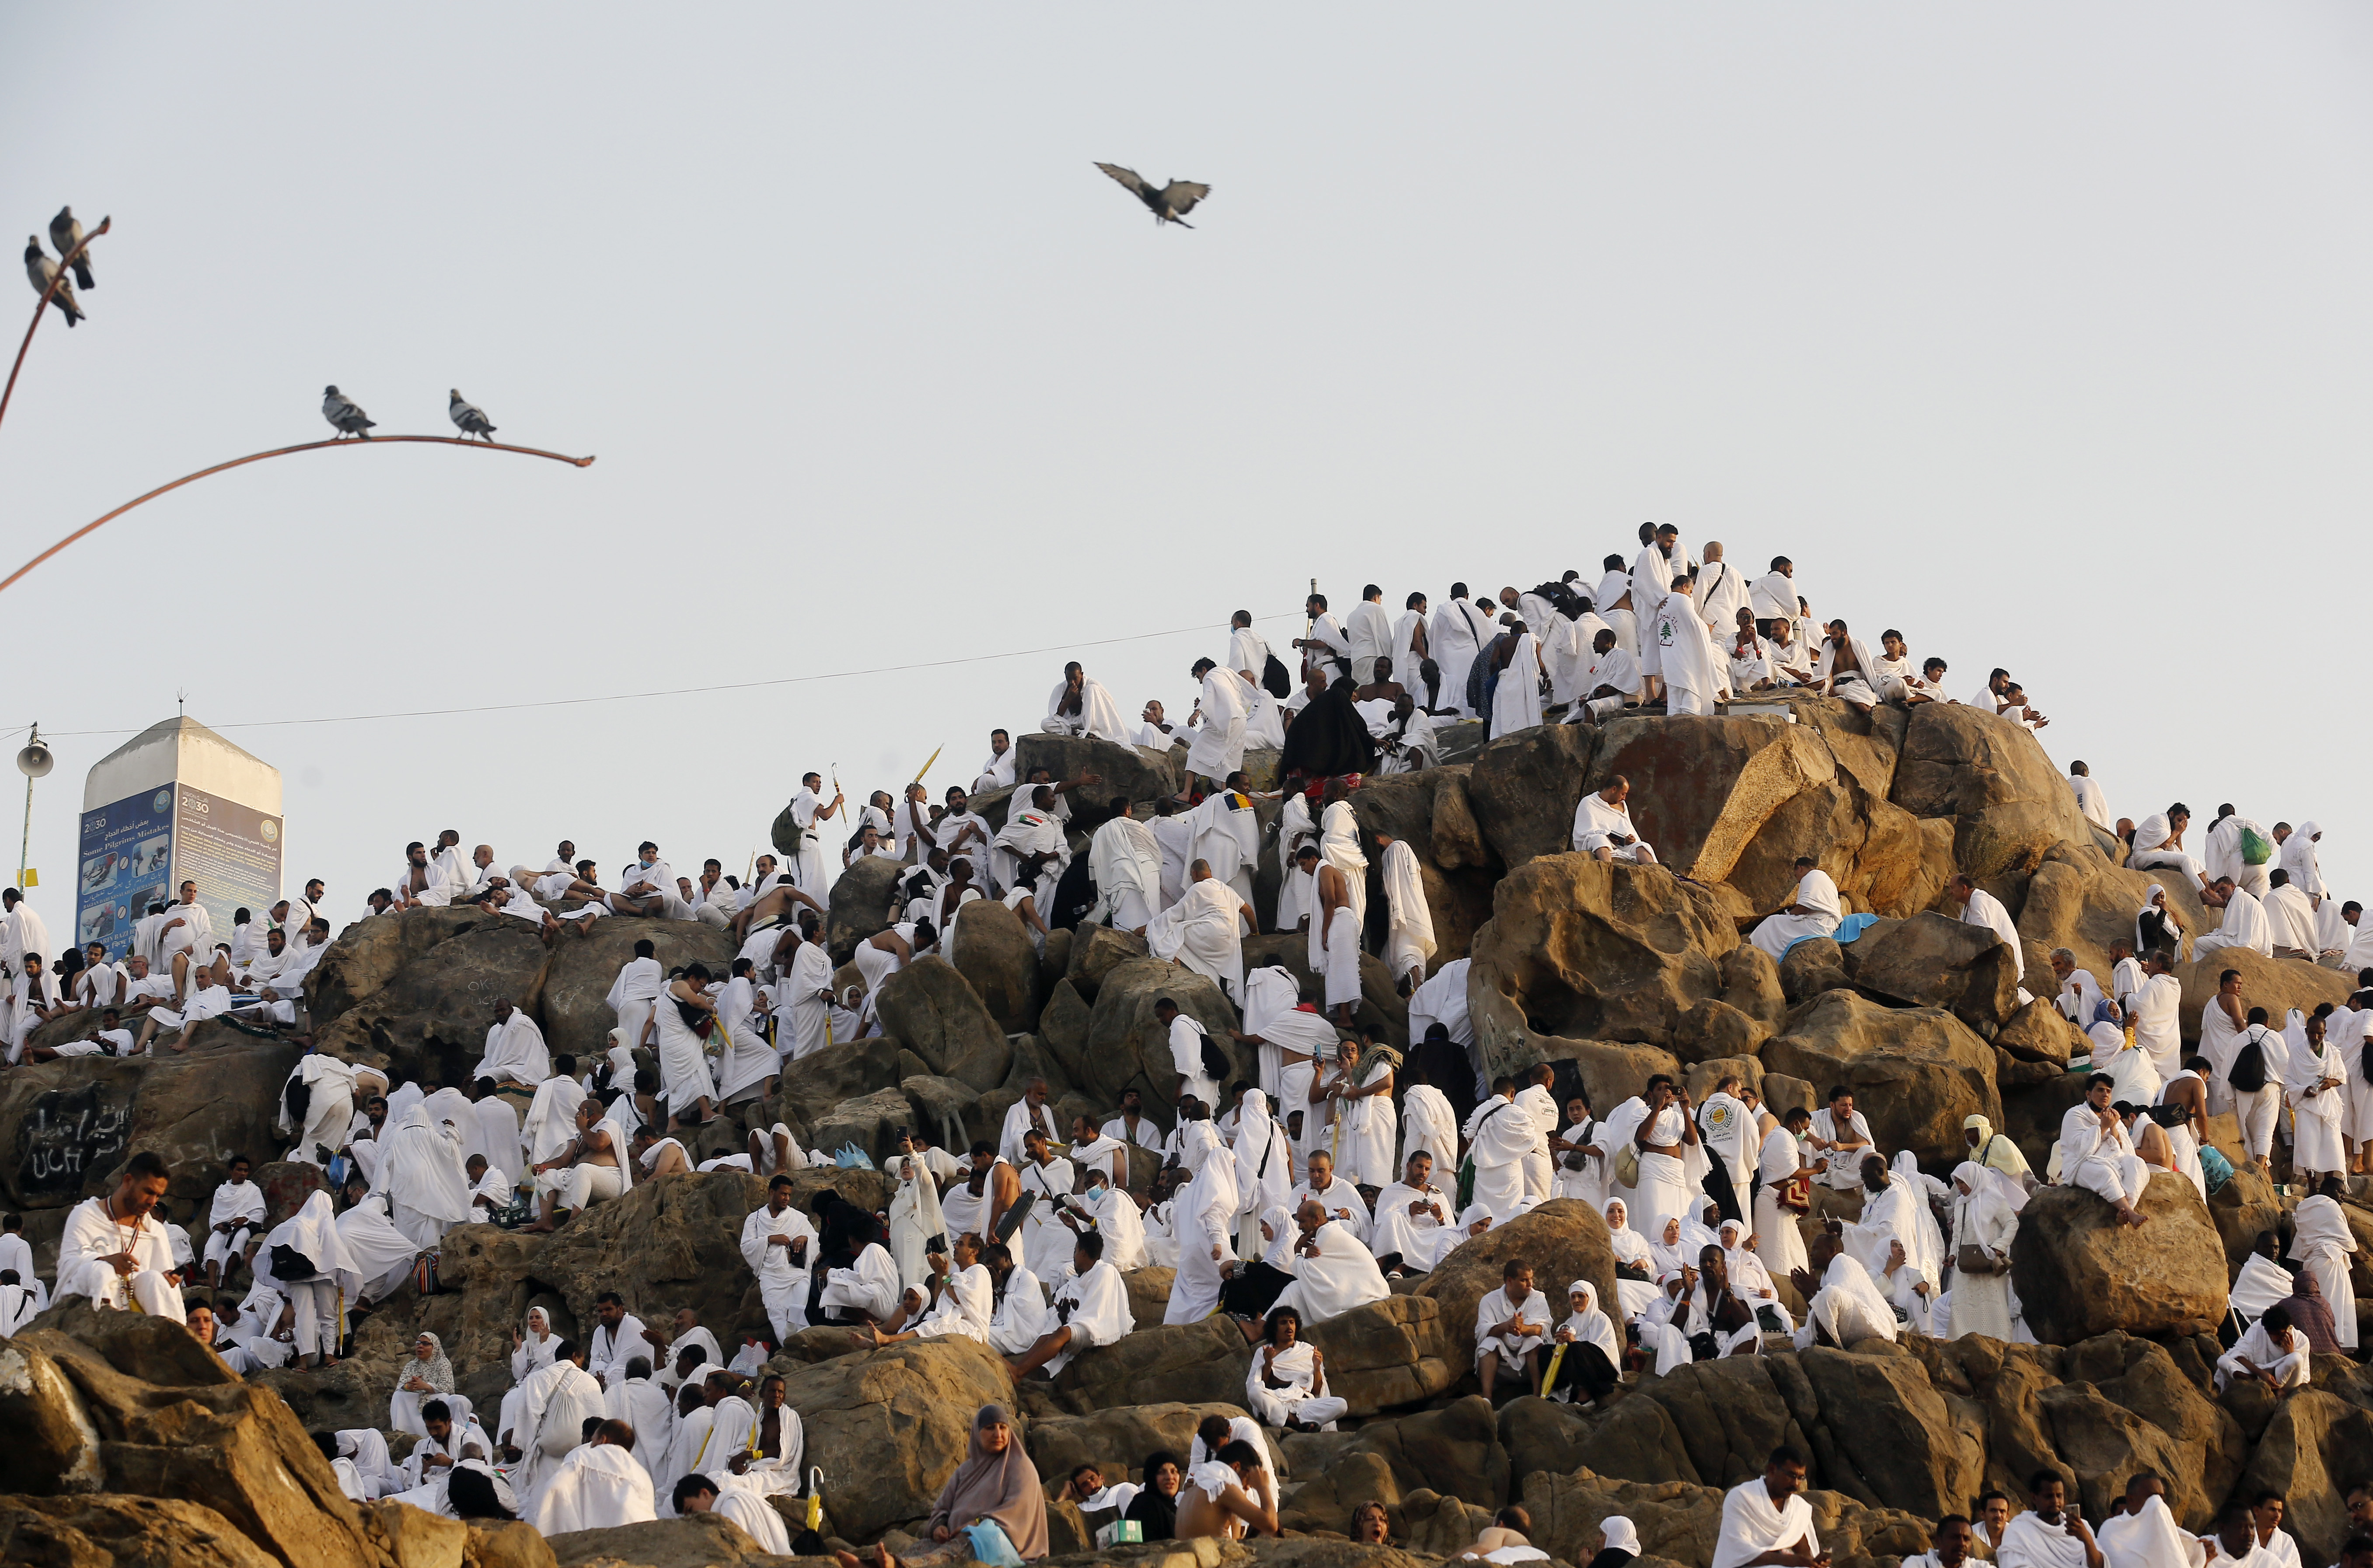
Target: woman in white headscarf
column 1635, row 1287
column 2323, row 1242
column 1588, row 1354
column 427, row 1375
column 2157, row 924
column 1678, row 1244
column 1985, row 1216
column 1619, row 1542
column 1750, row 1276
column 533, row 1348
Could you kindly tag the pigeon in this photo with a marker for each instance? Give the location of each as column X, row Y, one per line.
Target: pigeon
column 65, row 233
column 41, row 269
column 1169, row 205
column 468, row 418
column 341, row 411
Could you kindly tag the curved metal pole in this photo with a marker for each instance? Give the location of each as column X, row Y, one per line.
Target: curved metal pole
column 339, row 441
column 65, row 265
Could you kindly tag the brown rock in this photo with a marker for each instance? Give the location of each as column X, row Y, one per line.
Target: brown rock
column 2038, row 1033
column 1149, row 1294
column 1915, row 1072
column 1097, row 951
column 1524, row 789
column 1583, row 949
column 932, row 1010
column 2008, row 802
column 1134, row 771
column 860, row 904
column 515, row 1545
column 1563, row 1239
column 52, row 1446
column 2079, row 1273
column 1727, row 1414
column 1933, row 960
column 2314, row 1449
column 1389, row 1352
column 1611, row 1073
column 1892, row 1438
column 1714, row 1028
column 890, row 1426
column 419, row 997
column 1679, row 1520
column 1063, row 1029
column 416, row 1537
column 1750, row 982
column 695, row 1541
column 1429, row 810
column 1812, row 966
column 1541, row 1434
column 1702, row 1076
column 1326, row 1503
column 120, row 1532
column 1456, row 1449
column 993, row 952
column 868, row 1123
column 818, row 1083
column 2102, row 1443
column 70, row 1123
column 1183, row 1364
column 2244, row 1208
column 1704, row 786
column 2143, row 1379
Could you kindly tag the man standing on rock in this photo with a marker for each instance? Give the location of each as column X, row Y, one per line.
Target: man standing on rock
column 114, row 1249
column 1974, row 906
column 779, row 1245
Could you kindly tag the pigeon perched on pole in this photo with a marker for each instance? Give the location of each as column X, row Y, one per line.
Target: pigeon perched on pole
column 65, row 233
column 343, row 412
column 40, row 270
column 468, row 418
column 1170, row 204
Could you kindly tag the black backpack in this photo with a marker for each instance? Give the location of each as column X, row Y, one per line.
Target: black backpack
column 1276, row 679
column 2249, row 1070
column 1216, row 1065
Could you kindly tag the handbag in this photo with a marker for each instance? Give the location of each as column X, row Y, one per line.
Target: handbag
column 289, row 1265
column 1627, row 1166
column 1974, row 1260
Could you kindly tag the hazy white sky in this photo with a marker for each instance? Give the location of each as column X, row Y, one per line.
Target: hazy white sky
column 2041, row 331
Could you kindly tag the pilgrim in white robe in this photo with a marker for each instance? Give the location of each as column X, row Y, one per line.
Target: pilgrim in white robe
column 2100, row 1160
column 329, row 1109
column 1099, row 715
column 1094, row 1306
column 1817, row 894
column 1617, row 671
column 420, row 1170
column 239, row 1202
column 515, row 1050
column 1119, row 1221
column 1500, row 1135
column 642, row 1403
column 869, row 1285
column 916, row 1219
column 1848, row 1307
column 1983, row 1217
column 2149, row 1539
column 2029, row 1542
column 783, row 1282
column 1753, row 1525
column 2288, row 1361
column 967, row 1306
column 1408, row 942
column 1695, row 676
column 1021, row 1317
column 1203, row 1217
column 1516, row 699
column 1219, row 746
column 555, row 1404
column 383, row 1255
column 1984, row 909
column 1455, row 637
column 1495, row 1309
column 684, row 1077
column 1596, row 826
column 92, row 1234
column 597, row 1487
column 1204, row 931
column 1418, row 1239
column 2315, row 1086
column 1343, row 1275
column 1030, row 831
column 2244, row 925
column 1225, row 834
column 1126, row 862
column 1428, row 1127
column 2323, row 1241
column 1363, row 1137
column 1290, row 1386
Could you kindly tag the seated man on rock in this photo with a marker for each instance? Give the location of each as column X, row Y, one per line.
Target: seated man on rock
column 1611, row 679
column 1602, row 826
column 1412, row 1225
column 1228, row 1496
column 1813, row 910
column 1510, row 1325
column 1286, row 1384
column 592, row 1168
column 1844, row 1305
column 1505, row 1539
column 1090, row 1308
column 2097, row 1154
column 1333, row 1271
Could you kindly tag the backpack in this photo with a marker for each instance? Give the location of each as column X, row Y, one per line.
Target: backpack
column 1216, row 1065
column 300, row 1101
column 1275, row 679
column 288, row 1265
column 2248, row 1074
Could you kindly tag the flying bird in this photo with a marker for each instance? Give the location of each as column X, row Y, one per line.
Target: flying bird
column 343, row 412
column 468, row 416
column 1171, row 204
column 40, row 270
column 65, row 233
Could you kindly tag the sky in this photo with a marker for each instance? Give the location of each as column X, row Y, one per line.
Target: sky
column 2040, row 332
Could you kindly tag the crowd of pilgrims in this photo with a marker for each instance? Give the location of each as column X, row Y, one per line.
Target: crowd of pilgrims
column 1283, row 1201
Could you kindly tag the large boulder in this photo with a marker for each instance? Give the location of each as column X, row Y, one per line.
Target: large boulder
column 416, row 991
column 695, row 1540
column 1726, row 1414
column 1128, row 1047
column 2316, row 1448
column 1389, row 1352
column 2009, row 805
column 2078, row 900
column 66, row 1125
column 818, row 1083
column 121, row 1532
column 2209, row 1449
column 1915, row 1072
column 1140, row 773
column 1888, row 1437
column 1095, row 951
column 2079, row 1273
column 1455, row 1450
column 1564, row 1240
column 1585, row 949
column 1186, row 1364
column 890, row 1426
column 1524, row 789
column 573, row 1007
column 186, row 1429
column 930, row 1009
column 991, row 949
column 1934, row 960
column 860, row 904
column 1704, row 786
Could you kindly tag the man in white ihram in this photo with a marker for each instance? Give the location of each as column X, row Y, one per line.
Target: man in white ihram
column 779, row 1245
column 1978, row 907
column 114, row 1249
column 1218, row 748
column 1081, row 706
column 1369, row 633
column 1695, row 677
column 1205, row 930
column 1126, row 862
column 1332, row 1271
column 1767, row 1520
column 1602, row 826
column 1812, row 910
column 2097, row 1154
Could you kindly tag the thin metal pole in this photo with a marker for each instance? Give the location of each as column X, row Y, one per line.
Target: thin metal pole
column 335, row 442
column 25, row 846
column 64, row 266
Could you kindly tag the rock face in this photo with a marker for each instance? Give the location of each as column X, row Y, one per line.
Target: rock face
column 1582, row 949
column 929, row 1009
column 1525, row 787
column 121, row 1532
column 1934, row 960
column 1705, row 787
column 1389, row 1352
column 1915, row 1072
column 416, row 991
column 1563, row 1240
column 890, row 1426
column 991, row 949
column 67, row 1125
column 570, row 1006
column 2078, row 1272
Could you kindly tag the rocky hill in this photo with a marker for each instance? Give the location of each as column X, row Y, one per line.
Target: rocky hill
column 143, row 1448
